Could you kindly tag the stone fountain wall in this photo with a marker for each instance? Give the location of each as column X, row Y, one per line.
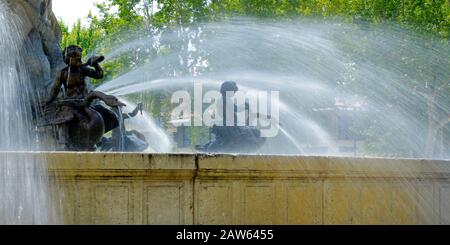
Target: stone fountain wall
column 193, row 189
column 97, row 188
column 41, row 35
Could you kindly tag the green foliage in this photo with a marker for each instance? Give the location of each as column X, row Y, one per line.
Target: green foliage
column 85, row 37
column 422, row 15
column 158, row 17
column 430, row 16
column 116, row 15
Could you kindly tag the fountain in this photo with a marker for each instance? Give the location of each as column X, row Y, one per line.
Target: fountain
column 354, row 81
column 24, row 67
column 315, row 171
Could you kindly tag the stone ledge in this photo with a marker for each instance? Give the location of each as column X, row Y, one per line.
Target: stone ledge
column 82, row 164
column 110, row 188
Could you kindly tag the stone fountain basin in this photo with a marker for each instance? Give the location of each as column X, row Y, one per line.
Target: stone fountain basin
column 99, row 188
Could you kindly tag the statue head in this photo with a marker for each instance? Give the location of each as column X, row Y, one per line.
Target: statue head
column 72, row 55
column 229, row 86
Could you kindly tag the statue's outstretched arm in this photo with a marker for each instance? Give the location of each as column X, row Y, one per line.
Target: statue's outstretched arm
column 97, row 73
column 139, row 108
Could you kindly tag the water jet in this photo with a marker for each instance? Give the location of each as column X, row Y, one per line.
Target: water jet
column 350, row 150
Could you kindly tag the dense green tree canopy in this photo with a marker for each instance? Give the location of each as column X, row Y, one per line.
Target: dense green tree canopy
column 115, row 15
column 157, row 18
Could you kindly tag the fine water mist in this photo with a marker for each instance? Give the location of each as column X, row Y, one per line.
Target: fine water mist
column 23, row 194
column 345, row 89
column 155, row 136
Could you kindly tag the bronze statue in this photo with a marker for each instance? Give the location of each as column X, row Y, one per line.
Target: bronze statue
column 133, row 140
column 80, row 121
column 233, row 138
column 73, row 77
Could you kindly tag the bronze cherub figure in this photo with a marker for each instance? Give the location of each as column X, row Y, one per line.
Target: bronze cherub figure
column 80, row 116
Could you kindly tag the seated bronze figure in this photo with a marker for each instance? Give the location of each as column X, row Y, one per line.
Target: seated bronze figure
column 81, row 117
column 232, row 139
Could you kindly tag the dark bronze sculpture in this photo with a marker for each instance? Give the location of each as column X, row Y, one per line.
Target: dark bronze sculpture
column 73, row 77
column 233, row 138
column 133, row 140
column 81, row 116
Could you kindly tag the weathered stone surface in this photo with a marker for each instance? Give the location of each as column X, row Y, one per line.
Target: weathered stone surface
column 191, row 189
column 41, row 35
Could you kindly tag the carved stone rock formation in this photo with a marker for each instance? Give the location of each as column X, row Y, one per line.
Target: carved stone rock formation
column 41, row 35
